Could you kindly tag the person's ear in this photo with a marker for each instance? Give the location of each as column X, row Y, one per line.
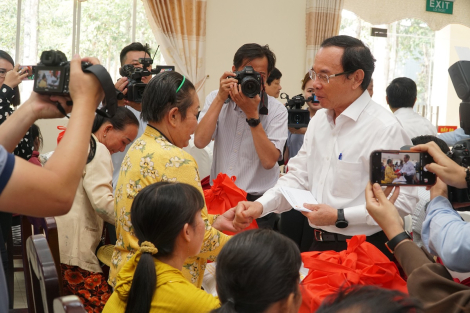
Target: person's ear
column 386, row 99
column 358, row 77
column 186, row 232
column 107, row 129
column 291, row 303
column 233, row 68
column 414, row 102
column 173, row 116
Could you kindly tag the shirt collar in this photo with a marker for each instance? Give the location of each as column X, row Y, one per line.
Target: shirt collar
column 357, row 107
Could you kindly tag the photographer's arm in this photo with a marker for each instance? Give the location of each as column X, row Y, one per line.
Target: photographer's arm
column 49, row 191
column 210, row 114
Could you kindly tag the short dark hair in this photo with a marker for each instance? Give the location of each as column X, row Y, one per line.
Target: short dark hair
column 421, row 140
column 135, row 46
column 158, row 214
column 369, row 299
column 389, row 161
column 160, row 96
column 251, row 51
column 306, row 79
column 401, row 93
column 356, row 56
column 247, row 257
column 16, row 100
column 275, row 74
column 36, row 134
column 120, row 119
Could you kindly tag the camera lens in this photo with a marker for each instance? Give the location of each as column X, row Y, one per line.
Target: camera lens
column 250, row 87
column 298, row 118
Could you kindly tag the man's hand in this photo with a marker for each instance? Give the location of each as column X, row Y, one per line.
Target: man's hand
column 382, row 209
column 225, row 84
column 321, row 215
column 248, row 105
column 298, row 131
column 44, row 106
column 447, row 170
column 225, row 221
column 121, row 85
column 439, row 189
column 245, row 212
column 84, row 88
column 14, row 77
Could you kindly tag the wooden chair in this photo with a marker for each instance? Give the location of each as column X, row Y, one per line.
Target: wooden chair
column 48, row 227
column 68, row 304
column 43, row 277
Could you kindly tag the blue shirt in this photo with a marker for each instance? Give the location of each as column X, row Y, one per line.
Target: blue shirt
column 452, row 137
column 446, row 235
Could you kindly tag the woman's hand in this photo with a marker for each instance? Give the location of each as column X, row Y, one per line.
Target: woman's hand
column 447, row 170
column 382, row 209
column 44, row 106
column 14, row 77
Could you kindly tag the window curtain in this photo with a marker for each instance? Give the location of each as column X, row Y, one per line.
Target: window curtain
column 179, row 27
column 323, row 20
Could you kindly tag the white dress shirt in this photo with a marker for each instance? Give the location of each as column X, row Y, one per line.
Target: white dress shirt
column 234, row 149
column 340, row 182
column 408, row 168
column 414, row 124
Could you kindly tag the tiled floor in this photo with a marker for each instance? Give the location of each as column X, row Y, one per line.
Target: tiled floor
column 20, row 291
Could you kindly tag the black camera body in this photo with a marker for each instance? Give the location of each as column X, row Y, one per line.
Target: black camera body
column 297, row 117
column 249, row 80
column 460, row 154
column 135, row 86
column 52, row 74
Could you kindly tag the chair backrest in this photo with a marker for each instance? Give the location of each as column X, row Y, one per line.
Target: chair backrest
column 44, row 279
column 68, row 304
column 34, row 225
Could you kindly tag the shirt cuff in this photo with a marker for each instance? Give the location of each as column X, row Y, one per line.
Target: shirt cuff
column 356, row 215
column 7, row 171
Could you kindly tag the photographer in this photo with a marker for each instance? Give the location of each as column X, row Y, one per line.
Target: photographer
column 247, row 144
column 273, row 83
column 63, row 170
column 444, row 232
column 427, row 281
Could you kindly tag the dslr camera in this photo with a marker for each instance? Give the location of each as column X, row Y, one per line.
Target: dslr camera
column 52, row 74
column 297, row 117
column 249, row 80
column 135, row 87
column 460, row 154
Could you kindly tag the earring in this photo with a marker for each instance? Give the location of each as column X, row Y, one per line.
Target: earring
column 105, row 135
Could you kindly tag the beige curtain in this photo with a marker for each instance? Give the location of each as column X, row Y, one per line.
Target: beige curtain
column 323, row 21
column 179, row 27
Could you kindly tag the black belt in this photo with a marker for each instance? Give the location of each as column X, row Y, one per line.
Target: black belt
column 321, row 235
column 250, row 197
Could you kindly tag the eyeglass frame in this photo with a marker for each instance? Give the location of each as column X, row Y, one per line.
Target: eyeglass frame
column 4, row 74
column 311, row 71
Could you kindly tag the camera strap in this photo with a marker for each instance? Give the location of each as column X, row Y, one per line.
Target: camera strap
column 110, row 98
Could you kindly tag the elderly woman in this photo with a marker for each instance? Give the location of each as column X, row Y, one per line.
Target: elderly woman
column 80, row 230
column 170, row 107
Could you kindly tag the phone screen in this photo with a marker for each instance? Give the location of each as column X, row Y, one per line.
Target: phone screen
column 401, row 167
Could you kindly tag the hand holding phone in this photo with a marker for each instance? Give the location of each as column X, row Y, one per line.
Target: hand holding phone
column 27, row 69
column 401, row 167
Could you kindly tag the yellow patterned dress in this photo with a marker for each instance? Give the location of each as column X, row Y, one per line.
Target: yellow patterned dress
column 151, row 159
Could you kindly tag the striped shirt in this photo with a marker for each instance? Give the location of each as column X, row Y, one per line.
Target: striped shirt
column 234, row 149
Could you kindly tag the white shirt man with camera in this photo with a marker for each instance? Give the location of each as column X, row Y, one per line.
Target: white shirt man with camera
column 247, row 144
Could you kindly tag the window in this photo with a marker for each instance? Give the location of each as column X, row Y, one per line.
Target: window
column 407, row 51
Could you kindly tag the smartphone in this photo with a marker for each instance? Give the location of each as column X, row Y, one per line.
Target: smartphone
column 401, row 167
column 29, row 69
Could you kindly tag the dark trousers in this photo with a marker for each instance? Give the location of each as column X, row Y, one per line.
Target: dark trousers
column 294, row 225
column 409, row 179
column 378, row 239
column 269, row 221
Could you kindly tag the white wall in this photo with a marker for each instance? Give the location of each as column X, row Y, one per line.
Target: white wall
column 279, row 23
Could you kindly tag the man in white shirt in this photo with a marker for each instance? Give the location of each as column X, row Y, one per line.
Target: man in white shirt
column 333, row 162
column 408, row 170
column 247, row 144
column 401, row 97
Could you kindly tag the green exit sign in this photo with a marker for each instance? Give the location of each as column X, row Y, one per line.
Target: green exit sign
column 439, row 6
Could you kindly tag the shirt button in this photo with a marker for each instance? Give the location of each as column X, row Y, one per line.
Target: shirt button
column 238, row 133
column 327, row 158
column 234, row 150
column 230, row 167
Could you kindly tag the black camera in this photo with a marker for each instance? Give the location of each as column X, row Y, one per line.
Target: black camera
column 460, row 154
column 297, row 117
column 249, row 80
column 135, row 86
column 52, row 74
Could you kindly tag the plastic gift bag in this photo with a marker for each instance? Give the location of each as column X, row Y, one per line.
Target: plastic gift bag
column 224, row 195
column 61, row 134
column 361, row 264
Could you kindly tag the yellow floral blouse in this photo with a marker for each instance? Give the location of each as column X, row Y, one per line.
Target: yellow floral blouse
column 151, row 159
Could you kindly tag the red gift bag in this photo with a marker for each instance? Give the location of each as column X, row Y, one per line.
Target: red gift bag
column 224, row 195
column 361, row 264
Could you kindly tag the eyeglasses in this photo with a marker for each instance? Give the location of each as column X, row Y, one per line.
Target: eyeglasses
column 324, row 78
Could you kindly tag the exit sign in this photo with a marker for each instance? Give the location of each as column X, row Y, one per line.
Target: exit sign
column 440, row 6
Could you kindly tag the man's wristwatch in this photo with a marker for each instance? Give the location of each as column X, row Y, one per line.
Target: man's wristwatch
column 253, row 122
column 392, row 243
column 341, row 221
